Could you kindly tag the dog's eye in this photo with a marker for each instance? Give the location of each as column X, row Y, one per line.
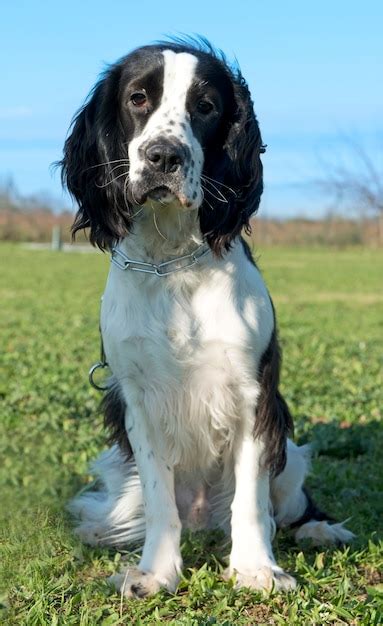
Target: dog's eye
column 138, row 98
column 204, row 107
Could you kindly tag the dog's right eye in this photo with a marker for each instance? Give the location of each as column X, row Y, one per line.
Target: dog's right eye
column 204, row 106
column 138, row 98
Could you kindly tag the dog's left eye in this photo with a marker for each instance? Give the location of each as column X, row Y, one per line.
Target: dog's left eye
column 138, row 98
column 204, row 107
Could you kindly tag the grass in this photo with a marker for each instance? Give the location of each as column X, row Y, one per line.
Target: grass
column 330, row 311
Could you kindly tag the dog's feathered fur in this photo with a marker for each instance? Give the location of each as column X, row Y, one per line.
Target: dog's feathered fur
column 164, row 157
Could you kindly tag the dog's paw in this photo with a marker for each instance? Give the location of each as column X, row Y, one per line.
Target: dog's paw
column 267, row 578
column 134, row 583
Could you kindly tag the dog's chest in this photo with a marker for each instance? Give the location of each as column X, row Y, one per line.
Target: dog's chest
column 189, row 350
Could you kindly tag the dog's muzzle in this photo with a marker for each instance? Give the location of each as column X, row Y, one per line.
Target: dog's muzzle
column 164, row 175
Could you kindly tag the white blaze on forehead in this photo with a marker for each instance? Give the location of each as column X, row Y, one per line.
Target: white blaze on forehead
column 172, row 119
column 179, row 71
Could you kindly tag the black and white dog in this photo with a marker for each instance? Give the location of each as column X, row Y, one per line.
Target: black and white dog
column 164, row 162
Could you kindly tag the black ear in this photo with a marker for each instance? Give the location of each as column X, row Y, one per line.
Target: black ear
column 239, row 168
column 95, row 160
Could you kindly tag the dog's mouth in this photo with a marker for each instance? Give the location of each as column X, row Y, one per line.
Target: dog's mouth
column 161, row 194
column 164, row 195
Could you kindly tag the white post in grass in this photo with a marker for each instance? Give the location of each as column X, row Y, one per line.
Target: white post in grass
column 56, row 238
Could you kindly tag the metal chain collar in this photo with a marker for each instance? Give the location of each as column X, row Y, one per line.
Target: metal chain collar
column 121, row 260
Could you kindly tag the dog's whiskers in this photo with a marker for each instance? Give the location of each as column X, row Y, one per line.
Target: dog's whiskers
column 217, row 182
column 112, row 180
column 222, row 199
column 126, row 191
column 204, row 199
column 138, row 212
column 156, row 225
column 115, row 167
column 214, row 185
column 124, row 161
column 134, row 200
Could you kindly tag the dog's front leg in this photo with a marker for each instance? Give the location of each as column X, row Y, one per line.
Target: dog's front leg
column 251, row 558
column 161, row 562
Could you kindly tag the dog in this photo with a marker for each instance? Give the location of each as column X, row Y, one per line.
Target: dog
column 164, row 162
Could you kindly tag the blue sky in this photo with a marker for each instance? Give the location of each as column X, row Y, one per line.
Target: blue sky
column 314, row 69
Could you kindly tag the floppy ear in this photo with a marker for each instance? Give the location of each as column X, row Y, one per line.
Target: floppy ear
column 239, row 168
column 95, row 160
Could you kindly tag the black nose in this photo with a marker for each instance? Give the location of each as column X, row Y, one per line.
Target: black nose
column 165, row 157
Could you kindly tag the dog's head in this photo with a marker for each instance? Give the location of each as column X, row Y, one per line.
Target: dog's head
column 169, row 123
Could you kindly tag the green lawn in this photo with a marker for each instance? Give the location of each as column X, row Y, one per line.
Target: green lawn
column 330, row 310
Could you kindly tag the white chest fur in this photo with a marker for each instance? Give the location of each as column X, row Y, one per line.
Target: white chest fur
column 190, row 345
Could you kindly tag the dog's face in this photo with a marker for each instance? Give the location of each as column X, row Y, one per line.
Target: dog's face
column 171, row 109
column 168, row 124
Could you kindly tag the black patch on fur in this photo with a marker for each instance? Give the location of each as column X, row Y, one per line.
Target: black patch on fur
column 113, row 406
column 312, row 513
column 273, row 420
column 233, row 159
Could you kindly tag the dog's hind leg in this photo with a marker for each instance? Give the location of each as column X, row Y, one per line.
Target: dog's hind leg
column 287, row 496
column 294, row 508
column 111, row 513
